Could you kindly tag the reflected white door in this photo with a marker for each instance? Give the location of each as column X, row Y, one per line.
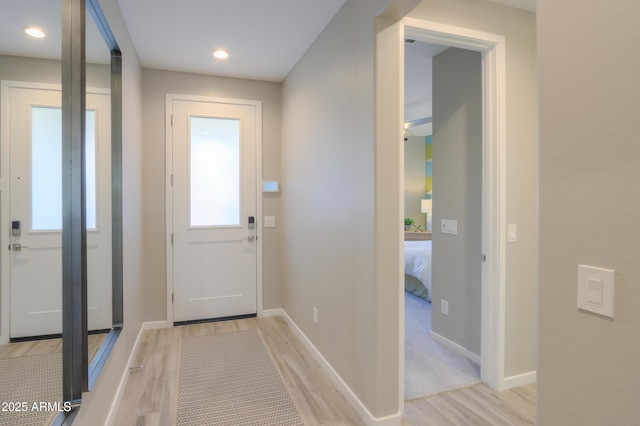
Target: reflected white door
column 35, row 138
column 214, row 195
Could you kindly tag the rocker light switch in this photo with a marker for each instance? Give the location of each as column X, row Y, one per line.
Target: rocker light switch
column 596, row 290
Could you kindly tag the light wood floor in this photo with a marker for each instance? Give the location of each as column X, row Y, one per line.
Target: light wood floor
column 476, row 405
column 47, row 346
column 150, row 387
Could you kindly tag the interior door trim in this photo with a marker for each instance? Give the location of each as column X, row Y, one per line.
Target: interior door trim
column 170, row 97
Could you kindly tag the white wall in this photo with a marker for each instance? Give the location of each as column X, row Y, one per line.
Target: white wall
column 518, row 27
column 589, row 207
column 457, row 171
column 156, row 84
column 97, row 403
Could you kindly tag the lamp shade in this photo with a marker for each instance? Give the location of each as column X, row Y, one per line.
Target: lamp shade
column 426, row 206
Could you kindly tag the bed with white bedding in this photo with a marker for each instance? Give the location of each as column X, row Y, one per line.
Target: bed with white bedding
column 417, row 268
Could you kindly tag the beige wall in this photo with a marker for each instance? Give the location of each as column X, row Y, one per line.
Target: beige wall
column 414, row 154
column 34, row 70
column 156, row 84
column 518, row 27
column 97, row 403
column 589, row 206
column 457, row 150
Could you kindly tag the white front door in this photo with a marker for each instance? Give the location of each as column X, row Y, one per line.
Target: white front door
column 35, row 223
column 214, row 209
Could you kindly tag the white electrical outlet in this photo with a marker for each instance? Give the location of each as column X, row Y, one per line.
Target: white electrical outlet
column 315, row 316
column 444, row 307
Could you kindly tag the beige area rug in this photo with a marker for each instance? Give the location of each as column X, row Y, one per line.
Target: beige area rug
column 229, row 379
column 26, row 381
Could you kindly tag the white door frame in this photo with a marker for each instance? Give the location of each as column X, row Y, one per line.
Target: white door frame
column 492, row 48
column 169, row 198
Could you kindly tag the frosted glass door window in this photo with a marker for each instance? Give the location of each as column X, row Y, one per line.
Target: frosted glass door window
column 214, row 172
column 46, row 169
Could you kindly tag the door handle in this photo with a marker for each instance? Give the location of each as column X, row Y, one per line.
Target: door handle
column 251, row 238
column 17, row 247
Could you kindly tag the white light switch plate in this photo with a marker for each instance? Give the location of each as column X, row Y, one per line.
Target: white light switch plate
column 449, row 226
column 269, row 221
column 512, row 233
column 596, row 290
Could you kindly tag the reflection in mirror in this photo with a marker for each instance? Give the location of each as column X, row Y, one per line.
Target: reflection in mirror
column 98, row 180
column 30, row 272
column 31, row 281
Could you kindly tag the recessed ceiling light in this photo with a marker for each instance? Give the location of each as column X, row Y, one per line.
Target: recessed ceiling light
column 220, row 54
column 35, row 32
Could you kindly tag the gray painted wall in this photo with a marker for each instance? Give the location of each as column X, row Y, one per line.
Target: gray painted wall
column 156, row 84
column 457, row 189
column 518, row 27
column 589, row 207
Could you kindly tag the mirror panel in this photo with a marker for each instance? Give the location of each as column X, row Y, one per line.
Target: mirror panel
column 32, row 66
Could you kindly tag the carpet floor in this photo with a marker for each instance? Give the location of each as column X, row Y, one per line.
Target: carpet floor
column 430, row 367
column 23, row 378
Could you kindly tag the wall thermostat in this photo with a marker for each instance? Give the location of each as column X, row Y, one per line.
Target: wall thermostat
column 270, row 187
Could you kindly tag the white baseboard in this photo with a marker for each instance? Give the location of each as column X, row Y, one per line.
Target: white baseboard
column 271, row 313
column 519, row 380
column 154, row 325
column 455, row 347
column 361, row 409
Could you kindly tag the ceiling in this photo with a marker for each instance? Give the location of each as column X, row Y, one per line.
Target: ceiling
column 265, row 39
column 45, row 14
column 417, row 83
column 529, row 5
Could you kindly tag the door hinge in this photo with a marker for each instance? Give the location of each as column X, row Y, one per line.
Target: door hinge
column 171, row 180
column 171, row 239
column 483, row 258
column 172, row 298
column 172, row 120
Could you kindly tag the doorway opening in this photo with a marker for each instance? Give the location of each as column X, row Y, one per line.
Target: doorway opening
column 443, row 156
column 492, row 253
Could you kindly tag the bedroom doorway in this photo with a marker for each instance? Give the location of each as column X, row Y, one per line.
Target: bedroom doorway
column 492, row 198
column 443, row 156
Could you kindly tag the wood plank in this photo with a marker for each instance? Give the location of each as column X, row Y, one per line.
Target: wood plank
column 476, row 405
column 149, row 394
